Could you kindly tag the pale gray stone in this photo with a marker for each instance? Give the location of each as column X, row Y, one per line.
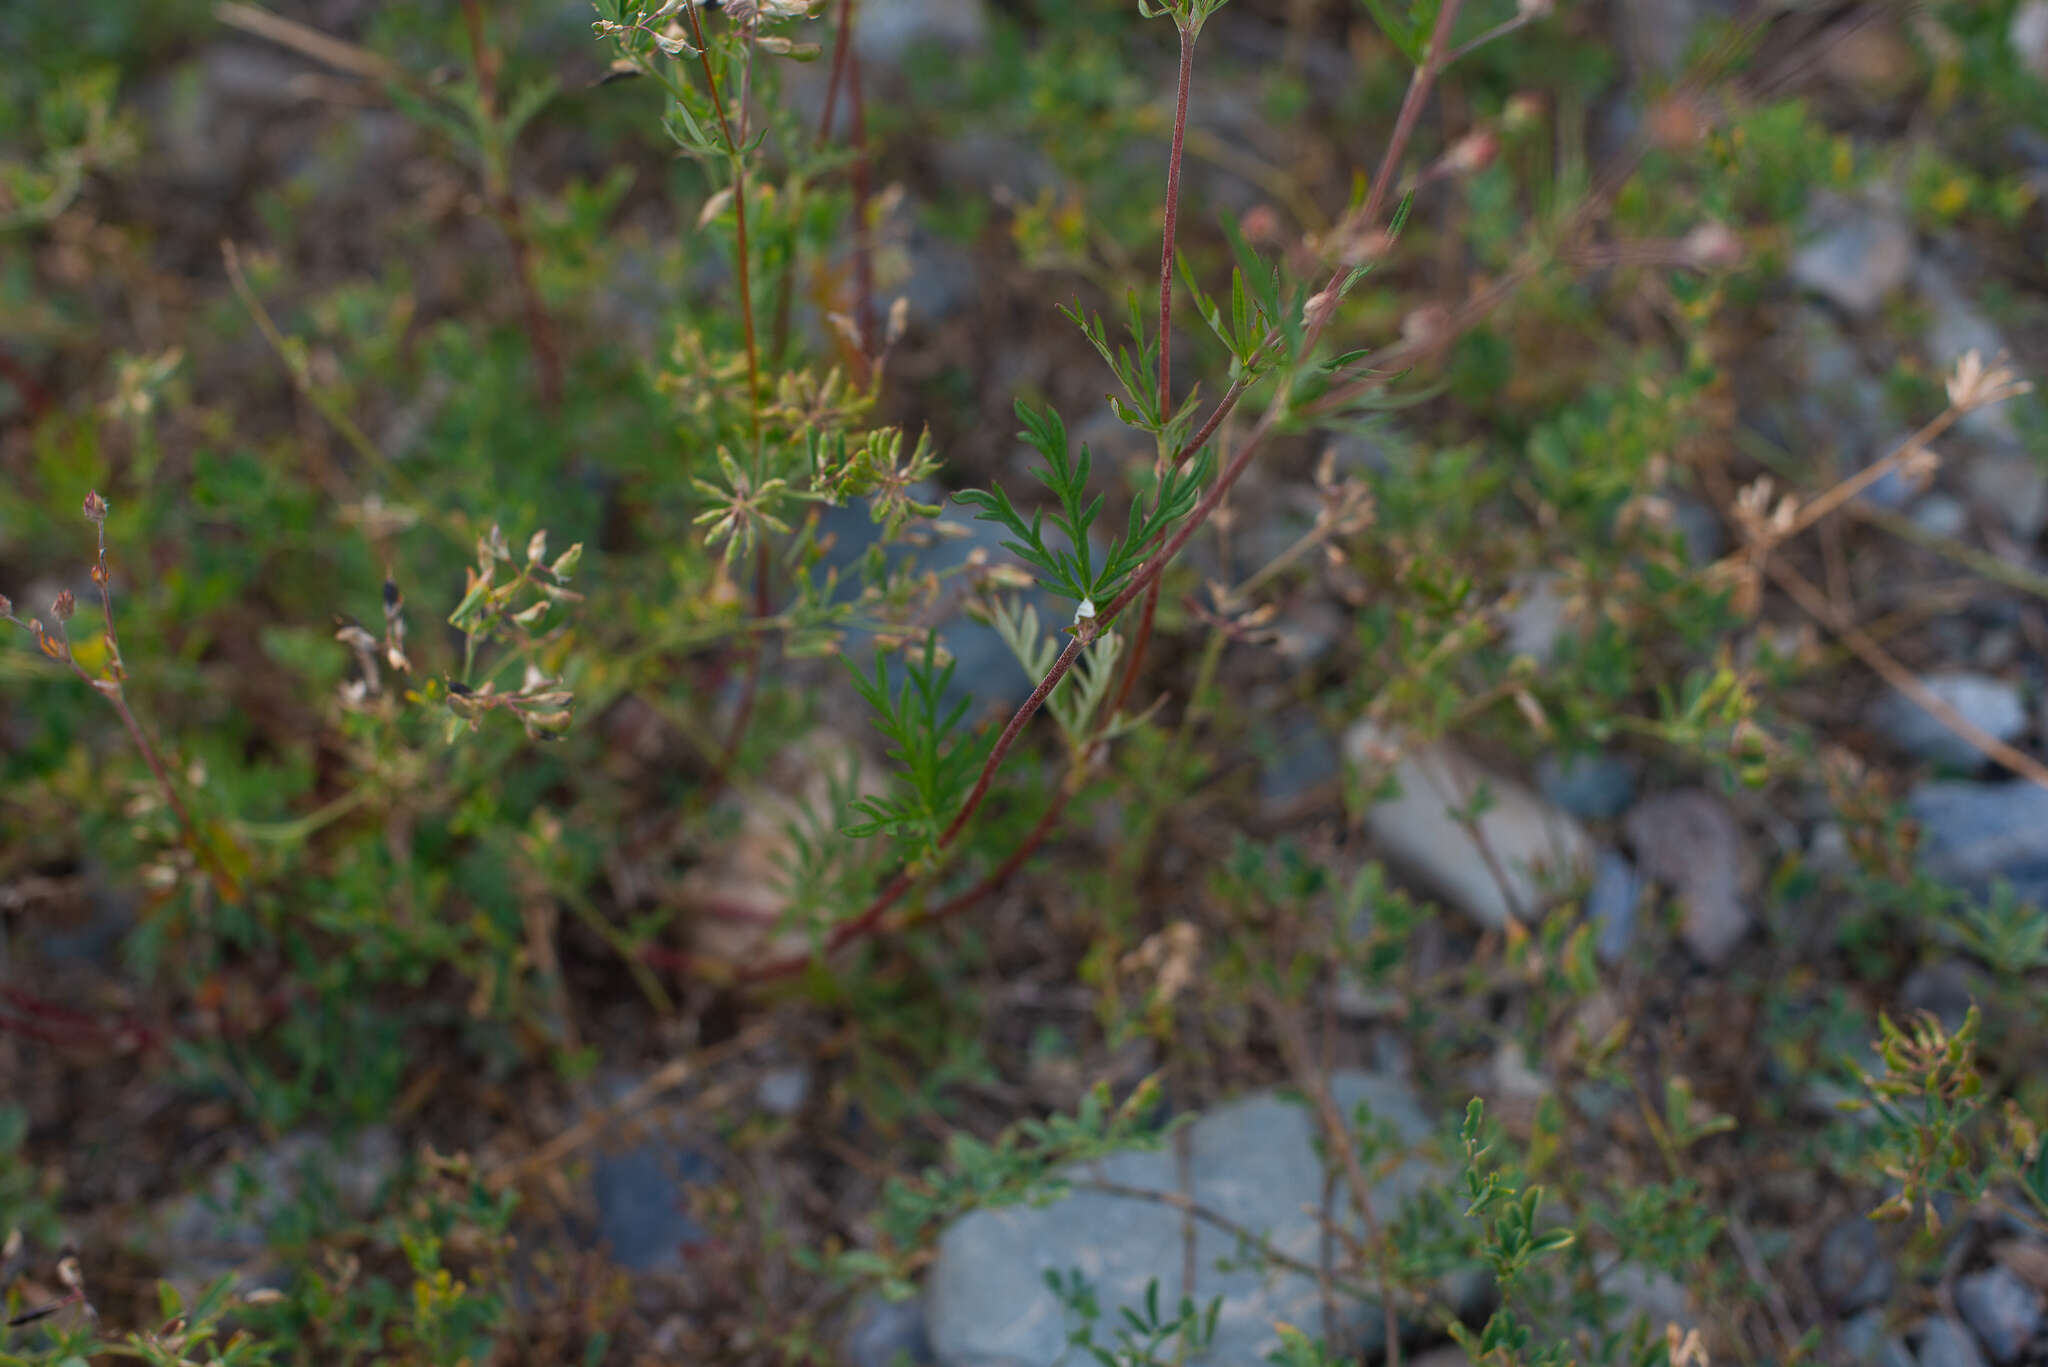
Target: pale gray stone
column 1688, row 840
column 2005, row 1311
column 1528, row 852
column 1255, row 1162
column 1859, row 258
column 1992, row 705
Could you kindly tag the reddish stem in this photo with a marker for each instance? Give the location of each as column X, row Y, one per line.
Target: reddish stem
column 540, row 328
column 1143, row 638
column 739, row 201
column 1172, row 220
column 1376, row 196
column 35, row 400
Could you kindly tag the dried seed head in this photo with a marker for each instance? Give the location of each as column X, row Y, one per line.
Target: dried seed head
column 1712, row 246
column 65, row 605
column 95, row 507
column 1261, row 225
column 1473, row 152
column 1973, row 384
column 6, row 606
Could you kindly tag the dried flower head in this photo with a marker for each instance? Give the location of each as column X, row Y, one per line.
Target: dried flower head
column 1973, row 385
column 1473, row 152
column 1758, row 519
column 1712, row 246
column 65, row 604
column 95, row 507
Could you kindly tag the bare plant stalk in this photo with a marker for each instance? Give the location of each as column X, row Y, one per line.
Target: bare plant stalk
column 739, row 203
column 1898, row 676
column 504, row 202
column 863, row 194
column 1419, row 86
column 758, row 650
column 1337, row 1137
column 1170, row 220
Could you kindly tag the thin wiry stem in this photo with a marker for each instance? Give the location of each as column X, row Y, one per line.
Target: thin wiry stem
column 1419, row 86
column 1170, row 219
column 498, row 192
column 739, row 202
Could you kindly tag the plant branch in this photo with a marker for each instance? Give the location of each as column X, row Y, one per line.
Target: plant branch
column 1419, row 86
column 739, row 203
column 1881, row 662
column 498, row 192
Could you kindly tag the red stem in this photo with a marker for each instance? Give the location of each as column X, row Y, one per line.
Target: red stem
column 863, row 190
column 1143, row 639
column 1390, row 160
column 35, row 400
column 540, row 328
column 1172, row 219
column 739, row 201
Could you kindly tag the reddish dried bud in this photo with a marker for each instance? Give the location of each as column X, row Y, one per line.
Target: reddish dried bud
column 1473, row 152
column 100, row 575
column 1712, row 246
column 1260, row 225
column 95, row 506
column 6, row 606
column 65, row 605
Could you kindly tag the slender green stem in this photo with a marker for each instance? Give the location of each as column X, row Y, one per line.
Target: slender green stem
column 737, row 152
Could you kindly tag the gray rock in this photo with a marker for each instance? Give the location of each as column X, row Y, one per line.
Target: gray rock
column 1611, row 906
column 2007, row 484
column 889, row 30
column 1972, row 833
column 1295, row 757
column 1688, row 840
column 984, row 669
column 228, row 1225
column 1593, row 787
column 1699, row 527
column 1536, row 621
column 1527, row 854
column 640, row 1182
column 1254, row 1162
column 886, row 1333
column 1945, row 988
column 1866, row 1342
column 1851, row 1271
column 781, row 1091
column 2028, row 35
column 1861, row 255
column 2005, row 1311
column 641, row 1194
column 1940, row 515
column 1945, row 1343
column 1657, row 1296
column 1992, row 705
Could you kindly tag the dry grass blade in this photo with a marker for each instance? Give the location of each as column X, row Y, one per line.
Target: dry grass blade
column 1817, row 606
